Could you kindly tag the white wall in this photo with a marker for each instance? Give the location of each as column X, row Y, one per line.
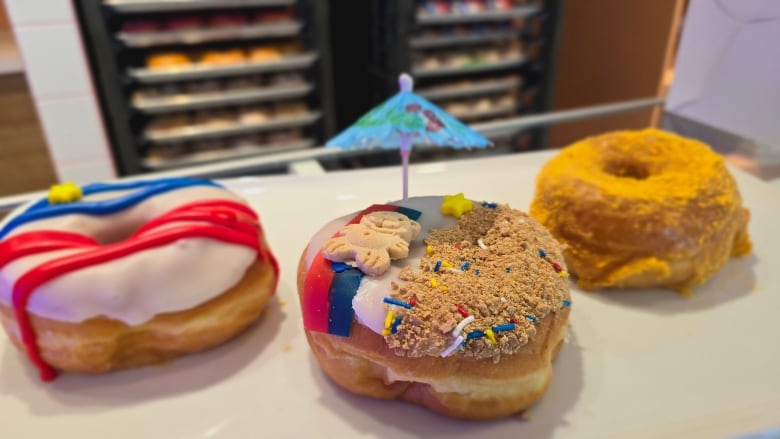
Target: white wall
column 56, row 67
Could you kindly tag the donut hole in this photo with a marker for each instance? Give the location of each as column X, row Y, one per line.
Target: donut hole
column 627, row 169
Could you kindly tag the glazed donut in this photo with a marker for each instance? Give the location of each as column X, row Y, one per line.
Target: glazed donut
column 639, row 209
column 461, row 315
column 113, row 276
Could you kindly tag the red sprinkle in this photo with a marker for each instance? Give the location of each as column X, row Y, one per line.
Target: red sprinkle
column 462, row 311
column 557, row 267
column 513, row 320
column 413, row 301
column 458, row 247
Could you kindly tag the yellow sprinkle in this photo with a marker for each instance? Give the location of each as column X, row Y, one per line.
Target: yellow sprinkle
column 388, row 322
column 563, row 273
column 434, row 283
column 444, row 288
column 490, row 335
column 64, row 193
column 429, row 249
column 446, row 264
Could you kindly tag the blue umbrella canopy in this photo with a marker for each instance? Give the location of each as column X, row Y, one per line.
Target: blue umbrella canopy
column 404, row 120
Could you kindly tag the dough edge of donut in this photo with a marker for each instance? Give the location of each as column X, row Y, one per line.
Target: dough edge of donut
column 100, row 345
column 363, row 364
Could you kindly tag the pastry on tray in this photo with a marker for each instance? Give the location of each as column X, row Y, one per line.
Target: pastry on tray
column 456, row 305
column 223, row 57
column 112, row 276
column 168, row 61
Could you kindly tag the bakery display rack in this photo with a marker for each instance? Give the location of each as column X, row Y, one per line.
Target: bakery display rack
column 184, row 82
column 481, row 60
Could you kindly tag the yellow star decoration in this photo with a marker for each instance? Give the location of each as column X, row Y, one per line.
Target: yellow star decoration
column 455, row 205
column 64, row 193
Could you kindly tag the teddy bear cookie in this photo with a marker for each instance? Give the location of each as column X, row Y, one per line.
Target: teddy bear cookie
column 378, row 238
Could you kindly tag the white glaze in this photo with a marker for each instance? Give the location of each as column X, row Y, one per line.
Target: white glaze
column 137, row 287
column 368, row 303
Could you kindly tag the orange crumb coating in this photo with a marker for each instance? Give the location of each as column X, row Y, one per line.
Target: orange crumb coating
column 642, row 209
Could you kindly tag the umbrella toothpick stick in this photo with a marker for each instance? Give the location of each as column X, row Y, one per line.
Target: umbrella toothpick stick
column 407, row 83
column 404, row 120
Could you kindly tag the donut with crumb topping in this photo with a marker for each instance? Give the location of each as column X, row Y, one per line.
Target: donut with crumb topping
column 640, row 209
column 451, row 304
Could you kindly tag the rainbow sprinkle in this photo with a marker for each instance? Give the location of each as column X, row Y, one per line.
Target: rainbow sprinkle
column 474, row 334
column 388, row 322
column 462, row 311
column 437, row 266
column 489, row 205
column 429, row 249
column 490, row 335
column 465, row 266
column 451, row 348
column 397, row 322
column 462, row 325
column 531, row 318
column 481, row 244
column 396, row 302
column 504, row 327
column 542, row 253
column 566, row 303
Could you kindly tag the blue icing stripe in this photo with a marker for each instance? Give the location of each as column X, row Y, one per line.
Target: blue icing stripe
column 412, row 214
column 342, row 289
column 42, row 209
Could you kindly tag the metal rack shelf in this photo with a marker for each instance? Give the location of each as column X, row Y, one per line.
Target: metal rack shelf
column 138, row 6
column 200, row 158
column 458, row 70
column 218, row 99
column 501, row 110
column 475, row 17
column 150, row 76
column 197, row 36
column 433, row 42
column 200, row 132
column 464, row 91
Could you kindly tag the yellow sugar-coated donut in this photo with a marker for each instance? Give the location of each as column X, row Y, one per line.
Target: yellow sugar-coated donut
column 640, row 209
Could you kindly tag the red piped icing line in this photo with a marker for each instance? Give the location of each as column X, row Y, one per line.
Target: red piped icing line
column 221, row 220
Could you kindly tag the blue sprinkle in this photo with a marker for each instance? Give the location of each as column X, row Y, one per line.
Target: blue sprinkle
column 489, row 205
column 391, row 301
column 476, row 272
column 531, row 318
column 508, row 269
column 340, row 267
column 542, row 254
column 505, row 327
column 395, row 324
column 465, row 266
column 474, row 334
column 437, row 266
column 566, row 303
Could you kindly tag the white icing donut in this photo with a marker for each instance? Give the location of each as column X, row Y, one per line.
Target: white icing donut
column 138, row 286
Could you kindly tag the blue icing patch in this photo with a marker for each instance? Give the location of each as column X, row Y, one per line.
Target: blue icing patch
column 412, row 214
column 340, row 267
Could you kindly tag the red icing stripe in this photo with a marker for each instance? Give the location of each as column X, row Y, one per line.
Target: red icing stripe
column 222, row 224
column 29, row 243
column 319, row 277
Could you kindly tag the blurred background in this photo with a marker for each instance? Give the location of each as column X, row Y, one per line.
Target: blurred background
column 98, row 89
